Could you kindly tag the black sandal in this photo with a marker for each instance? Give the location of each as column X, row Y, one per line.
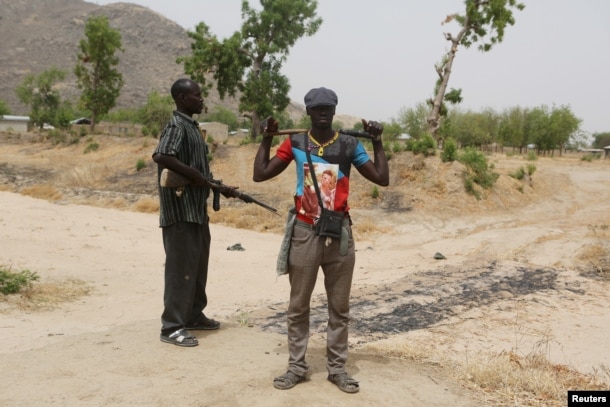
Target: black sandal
column 287, row 381
column 344, row 382
column 205, row 324
column 181, row 337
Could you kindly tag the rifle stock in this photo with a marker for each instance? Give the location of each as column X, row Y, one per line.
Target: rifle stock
column 172, row 179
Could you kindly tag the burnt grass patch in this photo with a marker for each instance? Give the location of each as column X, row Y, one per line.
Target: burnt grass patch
column 424, row 299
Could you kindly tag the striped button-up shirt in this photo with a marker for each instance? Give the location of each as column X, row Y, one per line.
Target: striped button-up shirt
column 181, row 138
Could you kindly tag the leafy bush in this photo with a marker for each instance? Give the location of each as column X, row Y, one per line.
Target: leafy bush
column 477, row 171
column 93, row 146
column 13, row 282
column 590, row 157
column 56, row 136
column 4, row 109
column 518, row 174
column 450, row 151
column 375, row 192
column 426, row 145
column 531, row 169
column 396, row 147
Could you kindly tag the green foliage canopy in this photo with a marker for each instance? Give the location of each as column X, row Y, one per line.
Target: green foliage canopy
column 39, row 93
column 223, row 115
column 4, row 109
column 482, row 22
column 156, row 113
column 250, row 60
column 95, row 70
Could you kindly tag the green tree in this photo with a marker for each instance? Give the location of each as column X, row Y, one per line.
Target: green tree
column 250, row 60
column 537, row 128
column 95, row 70
column 156, row 113
column 391, row 130
column 484, row 22
column 284, row 120
column 562, row 126
column 223, row 115
column 511, row 129
column 414, row 120
column 4, row 109
column 601, row 140
column 468, row 128
column 303, row 123
column 40, row 94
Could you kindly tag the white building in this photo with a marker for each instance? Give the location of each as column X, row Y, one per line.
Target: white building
column 18, row 124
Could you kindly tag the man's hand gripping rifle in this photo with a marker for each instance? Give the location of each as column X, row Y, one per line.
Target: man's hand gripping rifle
column 172, row 179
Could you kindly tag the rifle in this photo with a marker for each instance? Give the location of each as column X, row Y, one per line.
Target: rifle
column 353, row 133
column 172, row 179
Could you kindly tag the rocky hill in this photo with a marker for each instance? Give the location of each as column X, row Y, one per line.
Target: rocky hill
column 40, row 34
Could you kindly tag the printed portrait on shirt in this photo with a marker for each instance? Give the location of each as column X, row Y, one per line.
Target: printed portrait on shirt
column 326, row 175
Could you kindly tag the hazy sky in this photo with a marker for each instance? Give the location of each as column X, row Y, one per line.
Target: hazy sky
column 379, row 55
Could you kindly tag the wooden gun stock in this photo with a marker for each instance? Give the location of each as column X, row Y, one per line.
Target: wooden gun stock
column 171, row 179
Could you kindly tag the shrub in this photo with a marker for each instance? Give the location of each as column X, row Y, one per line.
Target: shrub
column 426, row 145
column 56, row 136
column 13, row 282
column 477, row 170
column 141, row 164
column 449, row 153
column 519, row 174
column 93, row 146
column 531, row 169
column 532, row 156
column 590, row 157
column 375, row 192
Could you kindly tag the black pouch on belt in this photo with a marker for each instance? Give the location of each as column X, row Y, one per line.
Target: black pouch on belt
column 330, row 223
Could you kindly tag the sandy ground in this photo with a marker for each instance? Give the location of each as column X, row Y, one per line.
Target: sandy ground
column 511, row 281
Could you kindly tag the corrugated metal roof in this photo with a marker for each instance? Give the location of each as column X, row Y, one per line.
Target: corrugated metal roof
column 15, row 118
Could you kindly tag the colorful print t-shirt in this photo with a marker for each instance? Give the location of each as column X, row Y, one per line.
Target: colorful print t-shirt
column 332, row 162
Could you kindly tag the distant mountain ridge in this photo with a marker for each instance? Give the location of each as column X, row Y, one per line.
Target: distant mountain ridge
column 40, row 34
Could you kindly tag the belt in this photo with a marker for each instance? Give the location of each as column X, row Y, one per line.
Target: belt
column 305, row 225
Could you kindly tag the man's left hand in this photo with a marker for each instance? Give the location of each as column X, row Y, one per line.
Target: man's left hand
column 270, row 126
column 373, row 128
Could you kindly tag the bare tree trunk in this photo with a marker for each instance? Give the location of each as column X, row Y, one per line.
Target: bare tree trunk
column 93, row 122
column 444, row 72
column 256, row 124
column 257, row 65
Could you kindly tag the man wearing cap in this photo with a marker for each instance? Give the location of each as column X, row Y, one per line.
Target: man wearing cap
column 334, row 152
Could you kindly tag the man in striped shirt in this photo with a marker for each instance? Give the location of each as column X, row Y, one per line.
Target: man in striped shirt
column 184, row 219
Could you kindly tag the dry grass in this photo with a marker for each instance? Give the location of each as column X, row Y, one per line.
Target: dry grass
column 365, row 227
column 90, row 175
column 46, row 295
column 509, row 379
column 47, row 192
column 248, row 216
column 596, row 259
column 146, row 205
column 501, row 379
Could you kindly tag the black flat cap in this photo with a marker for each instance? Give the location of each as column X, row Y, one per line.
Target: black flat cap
column 321, row 97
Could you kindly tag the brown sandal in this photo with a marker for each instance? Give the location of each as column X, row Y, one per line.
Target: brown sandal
column 344, row 382
column 287, row 381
